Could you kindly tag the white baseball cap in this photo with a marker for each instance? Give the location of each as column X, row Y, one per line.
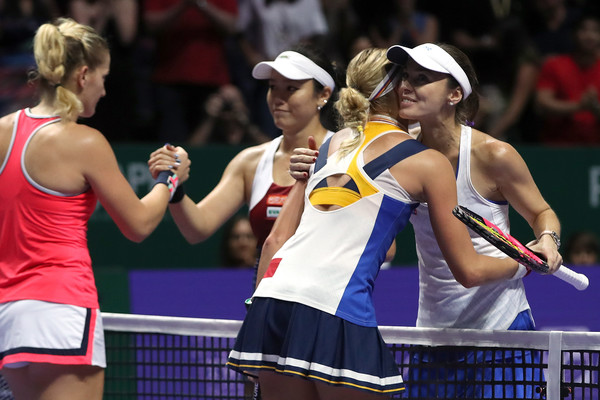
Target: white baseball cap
column 293, row 66
column 434, row 58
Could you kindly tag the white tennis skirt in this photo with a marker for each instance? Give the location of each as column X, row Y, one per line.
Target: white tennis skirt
column 33, row 331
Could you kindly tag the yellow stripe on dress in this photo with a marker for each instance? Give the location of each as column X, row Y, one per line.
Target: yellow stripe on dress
column 338, row 196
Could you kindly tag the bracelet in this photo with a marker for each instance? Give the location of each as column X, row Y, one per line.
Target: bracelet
column 170, row 179
column 178, row 195
column 554, row 236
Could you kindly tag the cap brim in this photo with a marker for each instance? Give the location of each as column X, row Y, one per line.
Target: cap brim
column 399, row 54
column 264, row 69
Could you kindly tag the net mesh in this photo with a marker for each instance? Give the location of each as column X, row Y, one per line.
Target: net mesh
column 164, row 358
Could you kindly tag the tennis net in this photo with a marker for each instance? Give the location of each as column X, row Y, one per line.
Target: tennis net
column 175, row 358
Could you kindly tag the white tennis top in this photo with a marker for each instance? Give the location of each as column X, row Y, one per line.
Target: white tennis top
column 445, row 303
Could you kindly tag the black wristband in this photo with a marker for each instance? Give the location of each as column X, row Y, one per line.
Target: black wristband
column 178, row 195
column 170, row 179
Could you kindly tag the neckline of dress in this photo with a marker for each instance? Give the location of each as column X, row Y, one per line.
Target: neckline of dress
column 384, row 119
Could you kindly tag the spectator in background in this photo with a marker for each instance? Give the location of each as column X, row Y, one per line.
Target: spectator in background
column 582, row 248
column 227, row 121
column 343, row 29
column 238, row 245
column 476, row 29
column 118, row 21
column 19, row 19
column 515, row 119
column 191, row 61
column 550, row 23
column 265, row 29
column 568, row 90
column 403, row 24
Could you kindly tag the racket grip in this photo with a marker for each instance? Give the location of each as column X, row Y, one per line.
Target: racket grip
column 579, row 281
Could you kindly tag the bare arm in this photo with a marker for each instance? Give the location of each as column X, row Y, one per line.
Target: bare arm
column 125, row 13
column 157, row 21
column 197, row 222
column 136, row 218
column 514, row 181
column 285, row 226
column 222, row 20
column 438, row 188
column 522, row 91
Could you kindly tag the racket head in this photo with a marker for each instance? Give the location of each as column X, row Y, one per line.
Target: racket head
column 502, row 241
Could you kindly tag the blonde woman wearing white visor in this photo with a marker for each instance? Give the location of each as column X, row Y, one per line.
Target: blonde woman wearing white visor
column 302, row 88
column 438, row 90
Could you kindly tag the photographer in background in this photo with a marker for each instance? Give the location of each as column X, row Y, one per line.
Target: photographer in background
column 227, row 121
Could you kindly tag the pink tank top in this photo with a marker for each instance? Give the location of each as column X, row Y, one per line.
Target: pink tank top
column 43, row 233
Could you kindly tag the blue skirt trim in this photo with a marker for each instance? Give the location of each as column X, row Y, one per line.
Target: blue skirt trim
column 298, row 340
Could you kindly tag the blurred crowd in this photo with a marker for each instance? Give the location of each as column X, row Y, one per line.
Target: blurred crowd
column 181, row 69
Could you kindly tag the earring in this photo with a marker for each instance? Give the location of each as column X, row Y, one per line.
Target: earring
column 324, row 102
column 450, row 103
column 319, row 108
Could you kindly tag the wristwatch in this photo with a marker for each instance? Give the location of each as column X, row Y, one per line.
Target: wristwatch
column 555, row 237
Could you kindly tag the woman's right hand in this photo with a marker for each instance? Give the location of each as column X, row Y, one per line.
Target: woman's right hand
column 169, row 157
column 302, row 158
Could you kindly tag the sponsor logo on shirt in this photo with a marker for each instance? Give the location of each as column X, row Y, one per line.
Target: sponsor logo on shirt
column 274, row 203
column 273, row 212
column 276, row 200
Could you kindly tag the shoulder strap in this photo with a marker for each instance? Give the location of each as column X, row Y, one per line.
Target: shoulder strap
column 393, row 156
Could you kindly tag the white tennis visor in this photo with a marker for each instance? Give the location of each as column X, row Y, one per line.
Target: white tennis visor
column 434, row 58
column 293, row 66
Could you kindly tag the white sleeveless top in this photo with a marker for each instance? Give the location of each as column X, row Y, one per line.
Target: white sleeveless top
column 333, row 259
column 445, row 303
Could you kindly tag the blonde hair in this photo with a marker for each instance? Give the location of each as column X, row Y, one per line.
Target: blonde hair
column 59, row 49
column 364, row 72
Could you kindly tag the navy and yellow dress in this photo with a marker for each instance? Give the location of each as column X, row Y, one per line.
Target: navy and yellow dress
column 312, row 314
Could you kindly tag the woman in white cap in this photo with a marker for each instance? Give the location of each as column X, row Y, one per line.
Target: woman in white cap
column 302, row 87
column 438, row 90
column 311, row 331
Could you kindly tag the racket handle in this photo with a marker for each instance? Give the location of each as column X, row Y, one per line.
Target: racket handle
column 579, row 281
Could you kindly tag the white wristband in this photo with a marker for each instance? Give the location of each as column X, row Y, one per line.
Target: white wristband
column 521, row 272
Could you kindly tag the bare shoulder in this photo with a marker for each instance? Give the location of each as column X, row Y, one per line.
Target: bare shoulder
column 490, row 153
column 247, row 159
column 338, row 138
column 6, row 128
column 430, row 160
column 85, row 139
column 7, row 122
column 85, row 146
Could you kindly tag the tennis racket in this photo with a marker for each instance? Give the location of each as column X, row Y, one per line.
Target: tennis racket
column 514, row 249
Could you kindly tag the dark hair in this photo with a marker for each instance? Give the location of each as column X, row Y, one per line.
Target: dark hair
column 581, row 241
column 329, row 115
column 227, row 259
column 467, row 108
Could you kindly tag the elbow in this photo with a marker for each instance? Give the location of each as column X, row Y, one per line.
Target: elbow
column 468, row 279
column 193, row 240
column 273, row 242
column 468, row 283
column 137, row 237
column 138, row 234
column 195, row 237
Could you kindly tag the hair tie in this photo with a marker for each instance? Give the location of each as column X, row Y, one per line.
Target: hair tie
column 56, row 85
column 360, row 129
column 470, row 123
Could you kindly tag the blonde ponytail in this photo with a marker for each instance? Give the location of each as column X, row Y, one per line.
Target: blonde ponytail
column 363, row 74
column 59, row 49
